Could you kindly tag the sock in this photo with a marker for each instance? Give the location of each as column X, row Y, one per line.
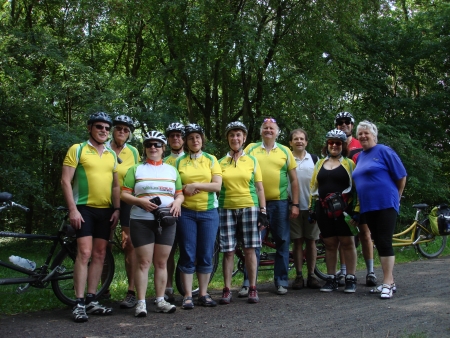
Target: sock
column 159, row 299
column 90, row 297
column 344, row 269
column 79, row 301
column 369, row 265
column 131, row 292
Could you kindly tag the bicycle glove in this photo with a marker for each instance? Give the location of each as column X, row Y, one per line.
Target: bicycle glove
column 263, row 220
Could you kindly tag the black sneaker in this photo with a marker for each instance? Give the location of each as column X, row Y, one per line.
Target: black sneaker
column 371, row 279
column 79, row 313
column 350, row 284
column 330, row 285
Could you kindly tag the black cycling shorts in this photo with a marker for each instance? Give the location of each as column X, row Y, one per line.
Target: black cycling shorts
column 96, row 222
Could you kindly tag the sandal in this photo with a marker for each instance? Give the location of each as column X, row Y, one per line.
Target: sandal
column 386, row 291
column 187, row 306
column 380, row 287
column 206, row 300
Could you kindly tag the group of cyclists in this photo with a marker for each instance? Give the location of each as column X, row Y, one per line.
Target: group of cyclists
column 264, row 186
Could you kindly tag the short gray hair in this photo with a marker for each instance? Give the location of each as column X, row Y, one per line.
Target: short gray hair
column 372, row 128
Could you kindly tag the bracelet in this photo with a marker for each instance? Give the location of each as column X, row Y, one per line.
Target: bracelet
column 296, row 205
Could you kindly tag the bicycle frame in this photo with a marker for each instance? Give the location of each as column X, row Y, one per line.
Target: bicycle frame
column 399, row 242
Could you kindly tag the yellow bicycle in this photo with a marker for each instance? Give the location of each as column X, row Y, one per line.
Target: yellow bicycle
column 420, row 235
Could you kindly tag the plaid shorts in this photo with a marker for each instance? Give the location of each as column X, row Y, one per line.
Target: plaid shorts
column 239, row 224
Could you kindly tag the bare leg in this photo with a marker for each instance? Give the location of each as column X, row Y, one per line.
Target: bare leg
column 96, row 267
column 144, row 257
column 251, row 265
column 311, row 255
column 160, row 256
column 331, row 248
column 347, row 247
column 298, row 255
column 130, row 257
column 203, row 281
column 227, row 266
column 84, row 245
column 387, row 264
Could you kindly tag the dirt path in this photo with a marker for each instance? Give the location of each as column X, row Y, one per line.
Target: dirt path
column 421, row 306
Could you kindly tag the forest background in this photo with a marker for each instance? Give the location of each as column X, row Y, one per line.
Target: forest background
column 217, row 61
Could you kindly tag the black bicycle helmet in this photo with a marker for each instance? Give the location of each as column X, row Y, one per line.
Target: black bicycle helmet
column 344, row 115
column 235, row 125
column 192, row 128
column 99, row 117
column 154, row 135
column 123, row 119
column 175, row 126
column 336, row 134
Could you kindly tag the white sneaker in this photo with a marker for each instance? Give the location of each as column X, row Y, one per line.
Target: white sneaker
column 281, row 290
column 243, row 292
column 141, row 310
column 386, row 291
column 163, row 306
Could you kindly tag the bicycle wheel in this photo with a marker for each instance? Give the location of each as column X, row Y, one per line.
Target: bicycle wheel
column 195, row 288
column 320, row 270
column 434, row 245
column 62, row 282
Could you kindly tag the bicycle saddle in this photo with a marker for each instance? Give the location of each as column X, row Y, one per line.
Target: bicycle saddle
column 5, row 197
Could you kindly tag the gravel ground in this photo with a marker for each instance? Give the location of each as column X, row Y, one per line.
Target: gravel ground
column 420, row 308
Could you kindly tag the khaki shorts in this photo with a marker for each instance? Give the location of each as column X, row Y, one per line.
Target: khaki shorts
column 301, row 228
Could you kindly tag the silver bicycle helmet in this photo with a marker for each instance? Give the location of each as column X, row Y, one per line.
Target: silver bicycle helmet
column 99, row 117
column 192, row 128
column 123, row 119
column 154, row 135
column 175, row 126
column 235, row 125
column 336, row 134
column 344, row 115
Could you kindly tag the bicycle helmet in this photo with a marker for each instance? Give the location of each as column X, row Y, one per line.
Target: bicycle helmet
column 344, row 115
column 235, row 125
column 123, row 119
column 175, row 127
column 99, row 117
column 192, row 128
column 155, row 135
column 336, row 134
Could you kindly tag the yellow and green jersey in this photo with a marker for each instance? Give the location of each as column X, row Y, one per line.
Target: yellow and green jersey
column 238, row 182
column 93, row 178
column 199, row 170
column 129, row 156
column 274, row 167
column 172, row 158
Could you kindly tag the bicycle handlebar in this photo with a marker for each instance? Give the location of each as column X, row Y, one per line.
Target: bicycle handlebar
column 5, row 197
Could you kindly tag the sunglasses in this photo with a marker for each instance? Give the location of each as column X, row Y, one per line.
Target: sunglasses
column 101, row 127
column 341, row 122
column 155, row 144
column 337, row 143
column 125, row 129
column 270, row 119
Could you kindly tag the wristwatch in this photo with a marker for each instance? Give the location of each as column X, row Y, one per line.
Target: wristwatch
column 296, row 205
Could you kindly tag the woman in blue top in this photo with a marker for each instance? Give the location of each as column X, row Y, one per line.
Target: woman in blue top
column 380, row 178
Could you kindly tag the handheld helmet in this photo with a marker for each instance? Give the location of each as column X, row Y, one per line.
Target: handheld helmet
column 155, row 135
column 99, row 117
column 336, row 134
column 123, row 119
column 192, row 128
column 235, row 125
column 344, row 115
column 175, row 127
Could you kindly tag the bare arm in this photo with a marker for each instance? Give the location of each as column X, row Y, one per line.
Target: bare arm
column 213, row 186
column 116, row 201
column 295, row 210
column 144, row 203
column 400, row 186
column 75, row 217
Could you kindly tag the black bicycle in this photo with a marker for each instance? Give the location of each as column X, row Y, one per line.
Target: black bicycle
column 57, row 270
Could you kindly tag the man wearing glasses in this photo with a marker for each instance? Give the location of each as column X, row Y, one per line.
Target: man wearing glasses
column 94, row 209
column 277, row 166
column 345, row 121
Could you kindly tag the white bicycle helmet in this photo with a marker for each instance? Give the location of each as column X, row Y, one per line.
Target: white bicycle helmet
column 123, row 119
column 99, row 117
column 235, row 125
column 175, row 127
column 344, row 115
column 154, row 135
column 336, row 134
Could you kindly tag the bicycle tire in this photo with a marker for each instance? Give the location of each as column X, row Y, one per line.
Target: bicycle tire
column 436, row 244
column 62, row 283
column 195, row 290
column 320, row 270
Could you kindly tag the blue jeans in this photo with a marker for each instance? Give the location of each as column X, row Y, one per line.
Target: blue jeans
column 278, row 212
column 196, row 234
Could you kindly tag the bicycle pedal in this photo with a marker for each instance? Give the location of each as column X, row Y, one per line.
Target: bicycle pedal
column 61, row 269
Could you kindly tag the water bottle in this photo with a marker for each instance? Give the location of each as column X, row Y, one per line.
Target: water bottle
column 23, row 262
column 354, row 229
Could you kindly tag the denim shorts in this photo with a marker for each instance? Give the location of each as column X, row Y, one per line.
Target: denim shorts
column 196, row 235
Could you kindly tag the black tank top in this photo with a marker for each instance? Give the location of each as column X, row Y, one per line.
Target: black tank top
column 329, row 181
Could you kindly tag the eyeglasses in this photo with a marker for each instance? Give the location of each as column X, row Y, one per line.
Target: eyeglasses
column 155, row 144
column 270, row 119
column 124, row 129
column 337, row 143
column 341, row 122
column 101, row 127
